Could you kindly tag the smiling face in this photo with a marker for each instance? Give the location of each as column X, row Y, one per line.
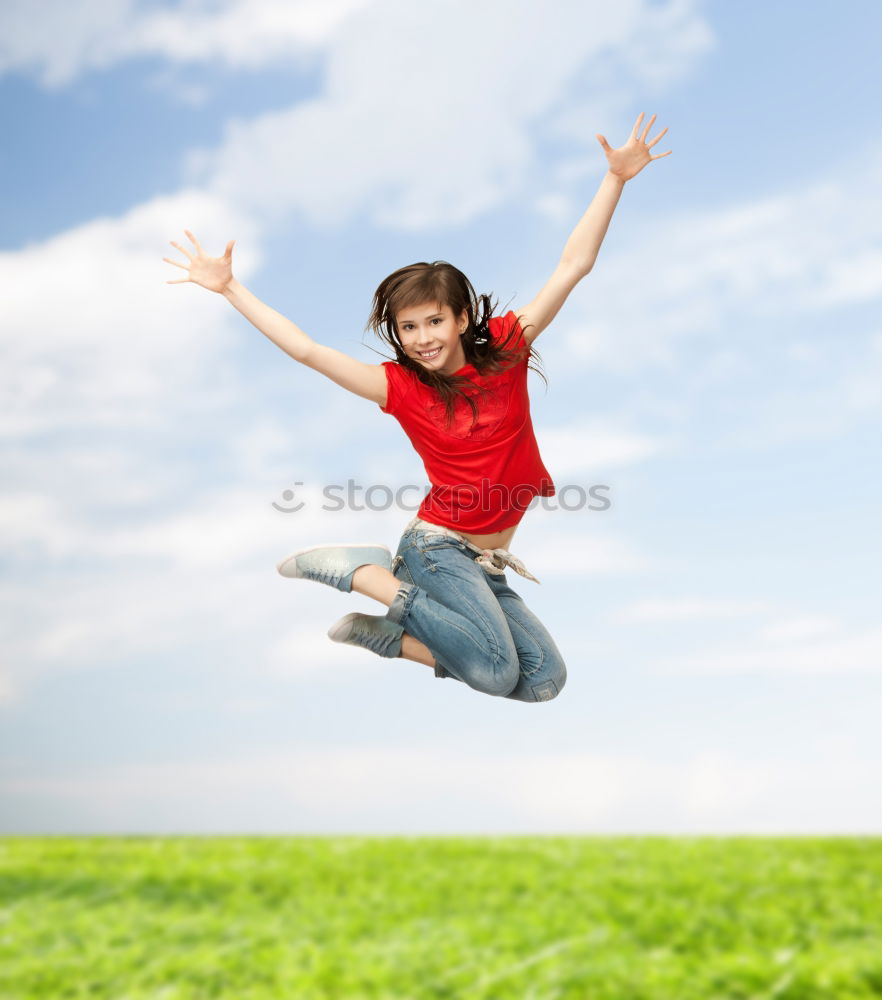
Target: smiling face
column 431, row 335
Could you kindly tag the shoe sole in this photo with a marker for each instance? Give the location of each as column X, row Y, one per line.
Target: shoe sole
column 329, row 545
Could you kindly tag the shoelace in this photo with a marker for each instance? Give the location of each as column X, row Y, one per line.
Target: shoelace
column 363, row 635
column 369, row 633
column 330, row 577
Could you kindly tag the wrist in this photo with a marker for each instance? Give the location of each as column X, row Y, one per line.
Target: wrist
column 231, row 289
column 612, row 178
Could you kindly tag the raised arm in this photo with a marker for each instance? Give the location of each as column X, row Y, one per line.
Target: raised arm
column 216, row 274
column 581, row 249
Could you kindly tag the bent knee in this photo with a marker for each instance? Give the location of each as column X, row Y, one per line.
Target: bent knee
column 501, row 683
column 499, row 679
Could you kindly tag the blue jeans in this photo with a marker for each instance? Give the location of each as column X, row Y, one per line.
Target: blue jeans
column 478, row 629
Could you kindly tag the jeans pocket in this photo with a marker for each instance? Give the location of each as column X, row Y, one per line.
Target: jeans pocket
column 399, row 569
column 437, row 549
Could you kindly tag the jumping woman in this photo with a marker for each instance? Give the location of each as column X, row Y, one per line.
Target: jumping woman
column 458, row 387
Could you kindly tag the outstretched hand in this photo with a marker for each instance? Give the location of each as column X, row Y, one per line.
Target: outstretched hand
column 213, row 273
column 628, row 160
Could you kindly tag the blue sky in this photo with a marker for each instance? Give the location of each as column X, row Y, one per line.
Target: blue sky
column 720, row 370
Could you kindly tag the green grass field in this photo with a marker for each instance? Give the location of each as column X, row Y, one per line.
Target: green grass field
column 532, row 918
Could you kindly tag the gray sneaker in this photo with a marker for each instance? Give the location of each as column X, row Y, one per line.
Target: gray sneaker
column 373, row 632
column 333, row 564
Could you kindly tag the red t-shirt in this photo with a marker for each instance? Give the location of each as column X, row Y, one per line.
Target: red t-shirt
column 483, row 476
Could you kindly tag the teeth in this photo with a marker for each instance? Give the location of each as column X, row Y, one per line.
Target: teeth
column 429, row 354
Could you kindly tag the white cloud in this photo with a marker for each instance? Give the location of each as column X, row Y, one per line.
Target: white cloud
column 112, row 339
column 686, row 609
column 555, row 206
column 57, row 41
column 219, row 530
column 699, row 274
column 857, row 277
column 94, row 584
column 798, row 646
column 795, row 629
column 440, row 133
column 829, row 406
column 576, row 551
column 862, row 387
column 593, row 445
column 242, row 33
column 74, row 621
column 388, row 790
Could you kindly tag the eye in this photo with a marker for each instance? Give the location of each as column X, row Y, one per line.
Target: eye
column 437, row 319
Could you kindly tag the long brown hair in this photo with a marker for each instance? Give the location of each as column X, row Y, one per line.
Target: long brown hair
column 445, row 284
